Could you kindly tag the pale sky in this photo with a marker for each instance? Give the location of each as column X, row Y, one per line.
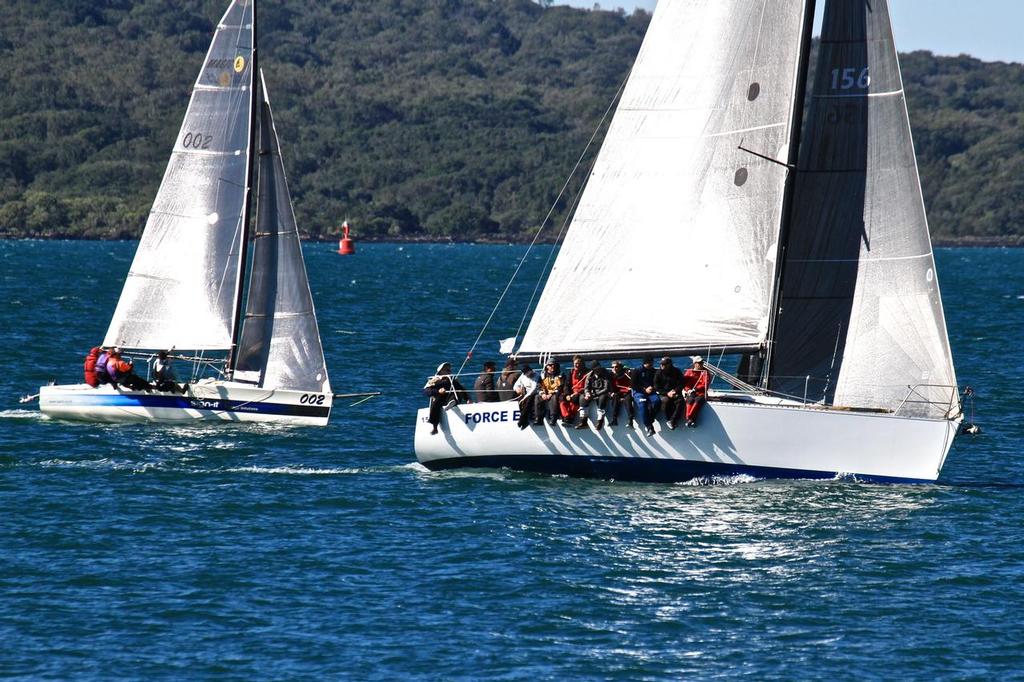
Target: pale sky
column 992, row 30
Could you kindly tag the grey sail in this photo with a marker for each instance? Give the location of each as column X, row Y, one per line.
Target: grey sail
column 280, row 342
column 182, row 285
column 672, row 247
column 860, row 321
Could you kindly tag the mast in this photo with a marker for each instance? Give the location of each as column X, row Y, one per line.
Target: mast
column 236, row 324
column 799, row 97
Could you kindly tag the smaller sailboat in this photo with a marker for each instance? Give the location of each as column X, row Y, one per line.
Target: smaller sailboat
column 187, row 284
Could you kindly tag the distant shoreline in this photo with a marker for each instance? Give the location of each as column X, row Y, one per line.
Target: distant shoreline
column 1011, row 241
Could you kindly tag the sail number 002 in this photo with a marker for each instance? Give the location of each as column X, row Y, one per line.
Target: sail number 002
column 845, row 79
column 312, row 399
column 196, row 141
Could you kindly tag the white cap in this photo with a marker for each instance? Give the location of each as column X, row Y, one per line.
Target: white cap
column 697, row 358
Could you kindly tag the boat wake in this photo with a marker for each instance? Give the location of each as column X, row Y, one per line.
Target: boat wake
column 285, row 470
column 735, row 479
column 25, row 415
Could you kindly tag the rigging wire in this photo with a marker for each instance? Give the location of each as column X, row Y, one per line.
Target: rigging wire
column 543, row 224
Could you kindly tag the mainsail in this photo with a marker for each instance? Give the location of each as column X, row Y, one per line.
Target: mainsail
column 183, row 283
column 280, row 341
column 673, row 245
column 861, row 321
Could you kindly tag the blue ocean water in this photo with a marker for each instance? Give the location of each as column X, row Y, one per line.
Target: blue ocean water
column 242, row 552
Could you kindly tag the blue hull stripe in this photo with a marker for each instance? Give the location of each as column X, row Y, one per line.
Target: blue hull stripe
column 637, row 469
column 206, row 404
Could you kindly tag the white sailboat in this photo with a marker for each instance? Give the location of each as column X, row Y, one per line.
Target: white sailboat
column 708, row 226
column 186, row 285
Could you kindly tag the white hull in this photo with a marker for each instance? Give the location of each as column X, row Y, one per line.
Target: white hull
column 763, row 439
column 206, row 400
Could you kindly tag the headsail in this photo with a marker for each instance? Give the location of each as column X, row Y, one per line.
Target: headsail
column 860, row 308
column 183, row 282
column 280, row 340
column 673, row 205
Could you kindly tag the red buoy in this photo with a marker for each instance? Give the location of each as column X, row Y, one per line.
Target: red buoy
column 346, row 247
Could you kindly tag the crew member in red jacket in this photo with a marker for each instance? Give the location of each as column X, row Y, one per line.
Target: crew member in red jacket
column 575, row 383
column 695, row 385
column 90, row 367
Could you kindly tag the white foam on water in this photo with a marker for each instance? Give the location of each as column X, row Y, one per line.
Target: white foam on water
column 735, row 479
column 22, row 414
column 284, row 470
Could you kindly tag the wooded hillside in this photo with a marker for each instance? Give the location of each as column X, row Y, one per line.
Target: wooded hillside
column 411, row 118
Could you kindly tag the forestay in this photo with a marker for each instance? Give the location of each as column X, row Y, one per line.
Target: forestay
column 183, row 282
column 280, row 339
column 673, row 245
column 860, row 309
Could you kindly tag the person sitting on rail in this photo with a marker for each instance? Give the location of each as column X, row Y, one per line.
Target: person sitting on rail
column 645, row 398
column 549, row 394
column 444, row 391
column 620, row 395
column 525, row 389
column 597, row 390
column 509, row 375
column 483, row 387
column 575, row 383
column 695, row 384
column 668, row 382
column 90, row 366
column 102, row 374
column 124, row 376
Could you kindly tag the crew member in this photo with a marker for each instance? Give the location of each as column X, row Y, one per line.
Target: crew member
column 549, row 394
column 575, row 383
column 90, row 367
column 645, row 398
column 164, row 378
column 620, row 395
column 668, row 382
column 444, row 391
column 125, row 376
column 507, row 379
column 597, row 390
column 483, row 387
column 695, row 384
column 102, row 375
column 525, row 390
column 111, row 365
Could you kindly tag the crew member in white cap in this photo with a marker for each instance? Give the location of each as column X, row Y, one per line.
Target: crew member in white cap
column 695, row 387
column 444, row 390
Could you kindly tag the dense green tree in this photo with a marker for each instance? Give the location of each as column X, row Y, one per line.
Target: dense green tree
column 413, row 119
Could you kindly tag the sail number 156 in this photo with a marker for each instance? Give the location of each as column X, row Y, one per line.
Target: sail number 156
column 845, row 79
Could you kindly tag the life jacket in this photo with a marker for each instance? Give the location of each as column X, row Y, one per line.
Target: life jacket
column 90, row 367
column 551, row 383
column 101, row 364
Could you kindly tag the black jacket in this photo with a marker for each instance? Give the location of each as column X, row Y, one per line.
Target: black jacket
column 668, row 379
column 599, row 382
column 642, row 377
column 484, row 388
column 453, row 389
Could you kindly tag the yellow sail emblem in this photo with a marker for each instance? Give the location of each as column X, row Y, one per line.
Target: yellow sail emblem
column 239, row 64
